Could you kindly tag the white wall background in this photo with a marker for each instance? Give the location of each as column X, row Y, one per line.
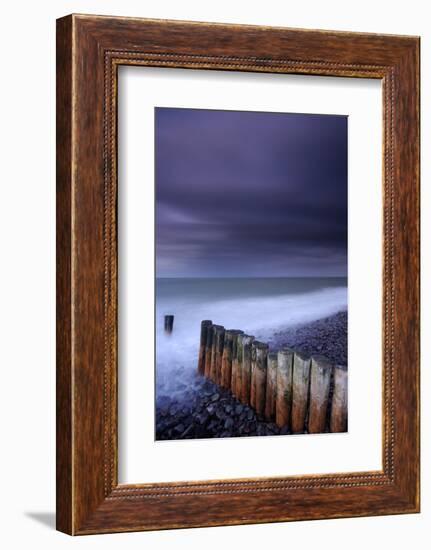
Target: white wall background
column 27, row 289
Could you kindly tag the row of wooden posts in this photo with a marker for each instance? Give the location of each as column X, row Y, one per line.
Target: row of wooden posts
column 294, row 391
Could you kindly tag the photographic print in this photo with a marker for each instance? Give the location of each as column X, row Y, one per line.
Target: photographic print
column 251, row 273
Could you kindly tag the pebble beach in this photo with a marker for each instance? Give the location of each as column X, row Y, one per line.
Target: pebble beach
column 203, row 410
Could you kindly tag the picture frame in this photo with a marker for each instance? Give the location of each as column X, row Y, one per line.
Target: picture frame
column 89, row 51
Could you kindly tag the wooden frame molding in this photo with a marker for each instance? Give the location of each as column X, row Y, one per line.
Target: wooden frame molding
column 89, row 51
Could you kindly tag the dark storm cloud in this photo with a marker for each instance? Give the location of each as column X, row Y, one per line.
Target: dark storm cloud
column 250, row 194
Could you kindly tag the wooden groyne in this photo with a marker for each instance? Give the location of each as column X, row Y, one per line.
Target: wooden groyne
column 299, row 393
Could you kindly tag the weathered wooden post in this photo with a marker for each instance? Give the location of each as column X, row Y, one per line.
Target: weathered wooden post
column 215, row 329
column 169, row 323
column 205, row 325
column 300, row 387
column 226, row 368
column 219, row 354
column 234, row 364
column 284, row 387
column 234, row 360
column 253, row 376
column 239, row 357
column 261, row 367
column 320, row 381
column 338, row 421
column 208, row 351
column 246, row 368
column 218, row 337
column 226, row 361
column 271, row 381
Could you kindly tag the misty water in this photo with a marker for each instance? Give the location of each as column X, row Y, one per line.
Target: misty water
column 259, row 307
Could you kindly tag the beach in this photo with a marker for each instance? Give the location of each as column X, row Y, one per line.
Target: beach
column 197, row 408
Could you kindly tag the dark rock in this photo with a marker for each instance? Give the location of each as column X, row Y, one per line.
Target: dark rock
column 179, row 428
column 215, row 397
column 261, row 429
column 164, row 401
column 202, row 418
column 189, row 419
column 228, row 423
column 213, row 426
column 220, row 414
column 173, row 410
column 273, row 428
column 188, row 431
column 171, row 421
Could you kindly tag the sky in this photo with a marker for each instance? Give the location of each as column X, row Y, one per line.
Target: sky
column 250, row 194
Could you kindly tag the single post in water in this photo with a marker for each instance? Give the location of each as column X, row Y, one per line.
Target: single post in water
column 205, row 325
column 338, row 421
column 300, row 387
column 320, row 381
column 271, row 381
column 169, row 323
column 260, row 376
column 247, row 342
column 284, row 387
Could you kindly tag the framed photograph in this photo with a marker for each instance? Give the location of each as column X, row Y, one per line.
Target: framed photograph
column 237, row 274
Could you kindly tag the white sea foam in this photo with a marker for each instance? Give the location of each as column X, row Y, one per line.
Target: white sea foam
column 260, row 316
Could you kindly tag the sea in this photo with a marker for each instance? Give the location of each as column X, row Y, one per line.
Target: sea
column 258, row 306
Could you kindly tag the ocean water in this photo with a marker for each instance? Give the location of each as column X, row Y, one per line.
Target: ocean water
column 259, row 307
